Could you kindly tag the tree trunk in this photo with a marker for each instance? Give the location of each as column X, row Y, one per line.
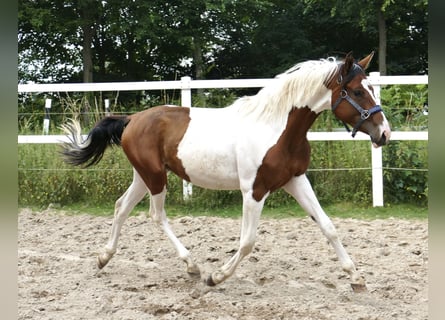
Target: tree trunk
column 197, row 58
column 87, row 55
column 199, row 67
column 382, row 41
column 88, row 14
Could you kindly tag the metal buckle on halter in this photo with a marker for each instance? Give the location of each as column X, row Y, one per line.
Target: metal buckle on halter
column 343, row 93
column 364, row 114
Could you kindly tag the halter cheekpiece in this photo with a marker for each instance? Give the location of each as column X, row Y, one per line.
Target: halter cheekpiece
column 364, row 113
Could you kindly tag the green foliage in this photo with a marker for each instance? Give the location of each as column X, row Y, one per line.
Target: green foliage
column 348, row 174
column 405, row 106
column 45, row 179
column 406, row 186
column 214, row 98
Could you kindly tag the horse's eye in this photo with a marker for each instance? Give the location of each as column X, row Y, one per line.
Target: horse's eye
column 357, row 93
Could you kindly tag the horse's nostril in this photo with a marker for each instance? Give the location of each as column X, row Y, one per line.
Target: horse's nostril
column 383, row 139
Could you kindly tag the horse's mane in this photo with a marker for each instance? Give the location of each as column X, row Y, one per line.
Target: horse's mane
column 296, row 87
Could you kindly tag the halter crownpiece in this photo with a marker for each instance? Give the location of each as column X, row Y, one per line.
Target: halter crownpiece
column 364, row 113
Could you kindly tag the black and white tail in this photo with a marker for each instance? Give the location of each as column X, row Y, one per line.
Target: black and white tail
column 106, row 132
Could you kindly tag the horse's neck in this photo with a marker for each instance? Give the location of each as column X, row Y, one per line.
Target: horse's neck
column 298, row 123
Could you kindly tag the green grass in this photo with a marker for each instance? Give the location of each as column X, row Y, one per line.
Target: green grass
column 341, row 210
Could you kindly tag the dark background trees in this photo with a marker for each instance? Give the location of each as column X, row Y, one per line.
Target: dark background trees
column 136, row 40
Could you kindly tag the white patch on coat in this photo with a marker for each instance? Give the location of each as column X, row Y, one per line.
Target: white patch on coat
column 367, row 86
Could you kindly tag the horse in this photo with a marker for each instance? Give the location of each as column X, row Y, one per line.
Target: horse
column 256, row 145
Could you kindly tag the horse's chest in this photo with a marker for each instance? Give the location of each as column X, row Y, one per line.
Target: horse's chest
column 283, row 164
column 279, row 166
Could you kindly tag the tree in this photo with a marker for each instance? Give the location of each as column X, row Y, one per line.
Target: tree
column 134, row 40
column 396, row 24
column 47, row 41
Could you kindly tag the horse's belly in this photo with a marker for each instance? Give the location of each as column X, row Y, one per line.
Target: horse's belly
column 208, row 163
column 207, row 171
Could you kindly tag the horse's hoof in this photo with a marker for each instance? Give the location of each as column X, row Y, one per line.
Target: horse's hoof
column 101, row 262
column 194, row 271
column 210, row 281
column 359, row 287
column 215, row 278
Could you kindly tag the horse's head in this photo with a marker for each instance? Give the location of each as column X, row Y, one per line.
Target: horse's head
column 354, row 103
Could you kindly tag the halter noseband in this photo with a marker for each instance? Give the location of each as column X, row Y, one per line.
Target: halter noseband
column 364, row 113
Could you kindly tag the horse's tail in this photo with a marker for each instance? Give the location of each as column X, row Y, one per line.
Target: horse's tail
column 106, row 132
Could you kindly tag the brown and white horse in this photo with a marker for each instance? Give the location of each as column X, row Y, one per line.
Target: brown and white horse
column 257, row 145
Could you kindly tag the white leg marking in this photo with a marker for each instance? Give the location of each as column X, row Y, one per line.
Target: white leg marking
column 250, row 220
column 301, row 189
column 134, row 194
column 159, row 216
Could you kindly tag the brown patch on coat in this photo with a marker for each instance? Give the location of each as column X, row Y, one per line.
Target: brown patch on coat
column 288, row 157
column 150, row 141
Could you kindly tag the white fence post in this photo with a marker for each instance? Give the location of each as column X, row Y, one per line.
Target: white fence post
column 186, row 92
column 107, row 107
column 46, row 119
column 186, row 101
column 377, row 177
column 376, row 153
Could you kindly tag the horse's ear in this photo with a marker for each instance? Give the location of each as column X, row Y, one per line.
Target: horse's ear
column 364, row 63
column 349, row 62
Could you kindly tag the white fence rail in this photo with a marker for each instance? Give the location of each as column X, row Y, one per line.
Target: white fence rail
column 186, row 84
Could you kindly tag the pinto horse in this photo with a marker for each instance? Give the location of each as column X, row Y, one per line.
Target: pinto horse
column 257, row 145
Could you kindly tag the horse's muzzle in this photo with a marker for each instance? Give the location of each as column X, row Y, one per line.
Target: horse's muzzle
column 383, row 140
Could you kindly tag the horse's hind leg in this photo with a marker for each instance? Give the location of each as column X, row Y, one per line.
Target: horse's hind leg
column 134, row 194
column 301, row 189
column 159, row 216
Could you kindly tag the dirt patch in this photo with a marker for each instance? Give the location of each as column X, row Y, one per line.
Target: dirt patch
column 293, row 272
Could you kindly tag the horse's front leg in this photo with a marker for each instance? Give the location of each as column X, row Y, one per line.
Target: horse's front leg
column 300, row 188
column 251, row 216
column 134, row 194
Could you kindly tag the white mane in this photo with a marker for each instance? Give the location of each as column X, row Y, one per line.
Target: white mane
column 300, row 86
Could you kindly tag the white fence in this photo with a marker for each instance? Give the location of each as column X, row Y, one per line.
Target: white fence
column 186, row 84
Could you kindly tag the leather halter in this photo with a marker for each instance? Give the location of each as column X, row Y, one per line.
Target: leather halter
column 364, row 113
